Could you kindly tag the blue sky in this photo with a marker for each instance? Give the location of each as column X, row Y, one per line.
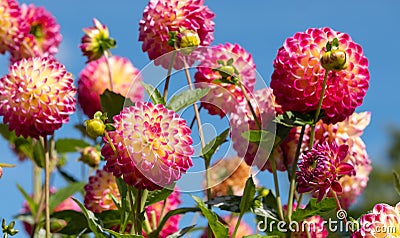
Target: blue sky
column 258, row 26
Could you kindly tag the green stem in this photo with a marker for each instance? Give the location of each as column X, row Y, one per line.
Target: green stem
column 47, row 186
column 293, row 175
column 321, row 99
column 37, row 182
column 138, row 203
column 271, row 161
column 131, row 202
column 171, row 64
column 106, row 57
column 237, row 225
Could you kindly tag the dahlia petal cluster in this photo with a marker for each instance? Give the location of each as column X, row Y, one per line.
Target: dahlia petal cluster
column 321, row 168
column 315, row 225
column 162, row 17
column 159, row 210
column 96, row 41
column 298, row 75
column 382, row 221
column 242, row 121
column 36, row 97
column 243, row 230
column 223, row 97
column 94, row 79
column 153, row 146
column 99, row 191
column 228, row 177
column 42, row 37
column 12, row 26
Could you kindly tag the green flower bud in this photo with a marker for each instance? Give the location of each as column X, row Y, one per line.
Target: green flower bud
column 90, row 156
column 334, row 60
column 187, row 41
column 95, row 127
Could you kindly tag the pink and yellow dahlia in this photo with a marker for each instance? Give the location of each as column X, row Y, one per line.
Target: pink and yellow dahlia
column 383, row 221
column 96, row 41
column 99, row 191
column 242, row 121
column 43, row 34
column 94, row 79
column 159, row 209
column 223, row 97
column 321, row 168
column 243, row 230
column 163, row 17
column 36, row 97
column 153, row 146
column 228, row 177
column 12, row 26
column 298, row 75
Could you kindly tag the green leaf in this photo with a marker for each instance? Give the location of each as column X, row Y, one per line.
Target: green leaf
column 248, row 196
column 396, row 181
column 31, row 204
column 181, row 232
column 259, row 136
column 314, row 208
column 183, row 210
column 92, row 220
column 76, row 222
column 109, row 218
column 112, row 103
column 38, row 154
column 68, row 177
column 67, row 145
column 228, row 203
column 118, row 235
column 64, row 193
column 230, row 61
column 259, row 236
column 5, row 132
column 158, row 195
column 186, row 98
column 268, row 198
column 293, row 119
column 154, row 94
column 211, row 147
column 217, row 227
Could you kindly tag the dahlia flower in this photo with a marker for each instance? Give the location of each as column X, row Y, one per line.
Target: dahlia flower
column 314, row 224
column 42, row 37
column 321, row 168
column 36, row 97
column 163, row 17
column 99, row 191
column 94, row 79
column 12, row 27
column 159, row 210
column 242, row 121
column 96, row 41
column 229, row 177
column 383, row 221
column 153, row 146
column 223, row 97
column 298, row 75
column 243, row 230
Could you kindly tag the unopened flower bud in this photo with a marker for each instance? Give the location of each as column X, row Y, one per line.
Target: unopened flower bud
column 90, row 156
column 95, row 127
column 1, row 172
column 334, row 60
column 57, row 225
column 187, row 41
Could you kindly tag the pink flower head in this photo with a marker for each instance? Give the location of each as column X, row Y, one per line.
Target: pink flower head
column 12, row 27
column 94, row 79
column 96, row 41
column 223, row 97
column 298, row 75
column 159, row 210
column 36, row 97
column 321, row 168
column 242, row 121
column 99, row 191
column 161, row 17
column 153, row 144
column 383, row 221
column 42, row 37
